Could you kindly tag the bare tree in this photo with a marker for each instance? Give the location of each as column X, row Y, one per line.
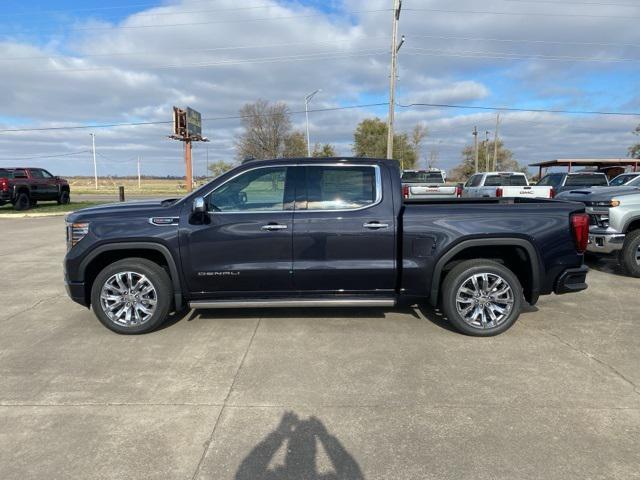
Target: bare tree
column 266, row 127
column 418, row 134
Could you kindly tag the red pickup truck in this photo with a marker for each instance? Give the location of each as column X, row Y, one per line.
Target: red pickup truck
column 24, row 187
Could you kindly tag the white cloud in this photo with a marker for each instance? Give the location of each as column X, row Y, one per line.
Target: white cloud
column 142, row 81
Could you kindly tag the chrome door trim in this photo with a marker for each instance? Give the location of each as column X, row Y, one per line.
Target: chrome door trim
column 293, row 303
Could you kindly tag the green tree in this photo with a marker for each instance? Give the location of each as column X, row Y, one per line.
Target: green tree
column 265, row 127
column 506, row 161
column 295, row 145
column 634, row 150
column 218, row 168
column 323, row 151
column 370, row 141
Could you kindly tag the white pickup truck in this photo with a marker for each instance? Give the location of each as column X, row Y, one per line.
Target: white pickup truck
column 504, row 184
column 427, row 184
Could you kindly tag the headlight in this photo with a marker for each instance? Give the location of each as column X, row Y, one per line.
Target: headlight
column 76, row 232
column 609, row 204
column 614, row 203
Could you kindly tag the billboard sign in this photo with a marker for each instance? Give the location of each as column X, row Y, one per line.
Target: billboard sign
column 194, row 123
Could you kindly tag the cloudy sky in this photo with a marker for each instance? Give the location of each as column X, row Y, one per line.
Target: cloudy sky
column 88, row 62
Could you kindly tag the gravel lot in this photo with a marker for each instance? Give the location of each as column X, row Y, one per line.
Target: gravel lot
column 364, row 394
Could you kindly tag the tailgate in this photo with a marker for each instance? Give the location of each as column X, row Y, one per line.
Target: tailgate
column 432, row 190
column 529, row 191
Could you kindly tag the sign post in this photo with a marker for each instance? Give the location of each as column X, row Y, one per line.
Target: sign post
column 187, row 127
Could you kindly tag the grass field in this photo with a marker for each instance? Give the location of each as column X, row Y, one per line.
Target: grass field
column 48, row 207
column 148, row 186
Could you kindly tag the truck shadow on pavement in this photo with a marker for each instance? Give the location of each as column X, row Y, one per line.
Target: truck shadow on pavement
column 300, row 440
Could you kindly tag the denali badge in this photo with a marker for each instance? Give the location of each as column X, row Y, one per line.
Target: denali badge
column 218, row 274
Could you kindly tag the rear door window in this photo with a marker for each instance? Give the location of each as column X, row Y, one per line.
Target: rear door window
column 505, row 181
column 342, row 188
column 586, row 180
column 422, row 177
column 19, row 173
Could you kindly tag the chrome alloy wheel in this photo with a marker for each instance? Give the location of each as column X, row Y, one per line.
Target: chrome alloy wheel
column 638, row 255
column 128, row 298
column 484, row 300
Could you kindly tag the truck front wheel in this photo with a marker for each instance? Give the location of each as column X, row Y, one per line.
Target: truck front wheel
column 481, row 298
column 132, row 296
column 630, row 254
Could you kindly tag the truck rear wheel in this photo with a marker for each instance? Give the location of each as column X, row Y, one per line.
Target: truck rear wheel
column 132, row 296
column 64, row 198
column 481, row 298
column 630, row 254
column 23, row 202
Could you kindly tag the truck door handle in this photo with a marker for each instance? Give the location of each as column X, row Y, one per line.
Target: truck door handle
column 274, row 226
column 375, row 225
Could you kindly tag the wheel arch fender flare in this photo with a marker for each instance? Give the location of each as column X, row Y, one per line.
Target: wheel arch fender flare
column 532, row 253
column 158, row 247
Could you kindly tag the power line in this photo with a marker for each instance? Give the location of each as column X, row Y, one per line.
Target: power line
column 514, row 56
column 94, row 9
column 210, row 119
column 515, row 40
column 555, row 2
column 516, row 109
column 182, row 51
column 331, row 109
column 521, row 14
column 244, row 20
column 46, row 156
column 286, row 58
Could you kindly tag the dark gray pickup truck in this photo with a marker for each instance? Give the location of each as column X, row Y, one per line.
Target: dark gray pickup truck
column 322, row 233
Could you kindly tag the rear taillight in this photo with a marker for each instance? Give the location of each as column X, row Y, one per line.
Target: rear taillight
column 499, row 192
column 405, row 191
column 580, row 229
column 458, row 191
column 4, row 184
column 552, row 193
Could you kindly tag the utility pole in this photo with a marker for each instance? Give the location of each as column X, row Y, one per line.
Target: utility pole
column 95, row 164
column 189, row 165
column 395, row 47
column 486, row 152
column 307, row 99
column 495, row 145
column 475, row 147
column 207, row 171
column 139, row 182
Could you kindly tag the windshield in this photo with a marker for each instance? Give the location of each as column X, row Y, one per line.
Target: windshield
column 422, row 177
column 622, row 179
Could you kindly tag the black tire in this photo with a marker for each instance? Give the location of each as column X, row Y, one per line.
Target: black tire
column 463, row 273
column 157, row 277
column 23, row 202
column 630, row 254
column 64, row 198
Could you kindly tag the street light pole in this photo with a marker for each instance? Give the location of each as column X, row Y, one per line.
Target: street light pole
column 397, row 5
column 307, row 99
column 95, row 164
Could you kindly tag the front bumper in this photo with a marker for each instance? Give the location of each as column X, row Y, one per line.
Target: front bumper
column 603, row 241
column 572, row 280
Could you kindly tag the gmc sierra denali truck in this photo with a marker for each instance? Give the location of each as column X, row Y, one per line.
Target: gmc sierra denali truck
column 318, row 233
column 614, row 214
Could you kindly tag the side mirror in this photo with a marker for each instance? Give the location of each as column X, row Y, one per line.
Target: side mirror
column 198, row 205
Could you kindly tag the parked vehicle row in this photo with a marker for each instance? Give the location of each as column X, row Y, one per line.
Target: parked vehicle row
column 614, row 214
column 329, row 232
column 24, row 187
column 503, row 184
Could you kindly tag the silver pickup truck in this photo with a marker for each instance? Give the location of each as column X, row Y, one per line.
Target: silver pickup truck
column 614, row 214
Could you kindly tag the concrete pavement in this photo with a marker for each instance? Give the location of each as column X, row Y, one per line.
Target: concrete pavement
column 289, row 394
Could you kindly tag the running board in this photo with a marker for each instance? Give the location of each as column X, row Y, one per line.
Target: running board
column 294, row 303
